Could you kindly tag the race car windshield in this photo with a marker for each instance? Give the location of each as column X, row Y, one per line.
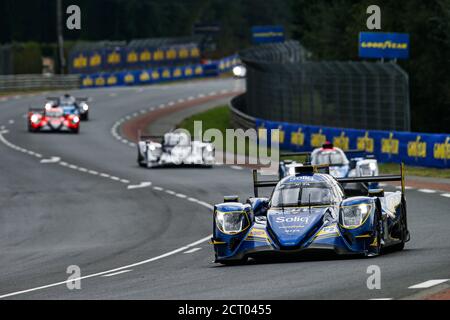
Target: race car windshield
column 329, row 157
column 298, row 195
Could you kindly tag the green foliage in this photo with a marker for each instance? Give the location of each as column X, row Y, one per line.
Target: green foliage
column 27, row 58
column 330, row 30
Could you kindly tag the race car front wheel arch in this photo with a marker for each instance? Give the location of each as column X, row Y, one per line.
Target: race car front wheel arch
column 233, row 262
column 403, row 230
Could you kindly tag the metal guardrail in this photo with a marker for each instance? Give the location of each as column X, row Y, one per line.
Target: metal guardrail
column 238, row 118
column 32, row 81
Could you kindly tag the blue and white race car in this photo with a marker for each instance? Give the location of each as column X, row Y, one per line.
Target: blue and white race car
column 359, row 165
column 309, row 212
column 70, row 105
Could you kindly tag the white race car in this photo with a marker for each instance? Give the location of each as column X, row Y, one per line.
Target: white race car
column 175, row 149
column 359, row 165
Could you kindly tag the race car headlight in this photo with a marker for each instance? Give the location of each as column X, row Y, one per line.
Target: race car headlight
column 239, row 71
column 85, row 107
column 355, row 216
column 35, row 118
column 75, row 120
column 152, row 147
column 231, row 222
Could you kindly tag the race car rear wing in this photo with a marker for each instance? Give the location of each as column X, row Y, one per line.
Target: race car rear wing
column 37, row 110
column 143, row 137
column 384, row 178
column 57, row 99
column 311, row 169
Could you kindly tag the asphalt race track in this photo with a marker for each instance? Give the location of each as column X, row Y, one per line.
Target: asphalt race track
column 82, row 200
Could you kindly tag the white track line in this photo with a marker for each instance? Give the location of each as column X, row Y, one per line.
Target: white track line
column 193, row 250
column 447, row 195
column 427, row 191
column 428, row 284
column 165, row 255
column 116, row 273
column 381, row 299
column 139, row 186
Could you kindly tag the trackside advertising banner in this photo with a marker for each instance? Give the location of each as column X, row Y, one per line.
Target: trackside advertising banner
column 158, row 74
column 417, row 149
column 383, row 45
column 85, row 62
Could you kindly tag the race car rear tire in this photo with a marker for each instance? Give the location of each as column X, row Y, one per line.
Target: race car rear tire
column 76, row 131
column 84, row 116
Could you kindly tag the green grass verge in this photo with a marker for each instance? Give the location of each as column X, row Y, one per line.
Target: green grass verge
column 392, row 168
column 219, row 118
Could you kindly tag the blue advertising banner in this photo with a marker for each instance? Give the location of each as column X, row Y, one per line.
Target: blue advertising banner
column 417, row 149
column 150, row 75
column 384, row 45
column 267, row 34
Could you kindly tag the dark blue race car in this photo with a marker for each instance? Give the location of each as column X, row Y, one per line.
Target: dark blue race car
column 309, row 211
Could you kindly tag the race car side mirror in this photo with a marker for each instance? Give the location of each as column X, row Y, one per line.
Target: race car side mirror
column 259, row 206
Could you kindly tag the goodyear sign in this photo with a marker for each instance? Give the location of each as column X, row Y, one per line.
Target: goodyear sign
column 267, row 34
column 384, row 45
column 419, row 149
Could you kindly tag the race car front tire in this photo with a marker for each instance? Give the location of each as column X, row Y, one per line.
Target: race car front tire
column 233, row 262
